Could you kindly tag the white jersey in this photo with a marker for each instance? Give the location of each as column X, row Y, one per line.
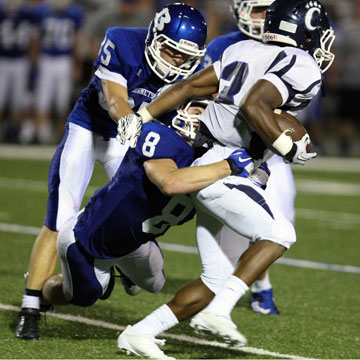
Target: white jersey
column 292, row 71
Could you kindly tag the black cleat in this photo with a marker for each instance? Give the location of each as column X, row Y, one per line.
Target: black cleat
column 28, row 326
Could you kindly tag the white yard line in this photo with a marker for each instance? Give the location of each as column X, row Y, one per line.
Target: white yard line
column 186, row 249
column 185, row 338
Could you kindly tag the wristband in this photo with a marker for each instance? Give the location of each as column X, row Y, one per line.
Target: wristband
column 283, row 144
column 289, row 156
column 145, row 115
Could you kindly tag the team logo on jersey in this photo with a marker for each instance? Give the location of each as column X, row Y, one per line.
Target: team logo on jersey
column 314, row 7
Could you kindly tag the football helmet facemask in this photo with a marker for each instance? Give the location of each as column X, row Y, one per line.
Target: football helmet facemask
column 182, row 28
column 242, row 10
column 184, row 122
column 303, row 24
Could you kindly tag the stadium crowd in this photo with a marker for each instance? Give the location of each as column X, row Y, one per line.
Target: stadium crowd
column 45, row 64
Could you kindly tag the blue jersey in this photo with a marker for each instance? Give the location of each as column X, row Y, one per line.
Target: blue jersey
column 15, row 31
column 131, row 210
column 121, row 59
column 57, row 29
column 217, row 46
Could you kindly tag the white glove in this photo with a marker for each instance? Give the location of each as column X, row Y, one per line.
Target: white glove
column 129, row 128
column 298, row 154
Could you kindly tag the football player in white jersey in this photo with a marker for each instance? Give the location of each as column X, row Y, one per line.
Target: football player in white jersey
column 250, row 17
column 252, row 79
column 133, row 64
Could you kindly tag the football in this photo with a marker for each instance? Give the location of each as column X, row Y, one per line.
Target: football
column 293, row 127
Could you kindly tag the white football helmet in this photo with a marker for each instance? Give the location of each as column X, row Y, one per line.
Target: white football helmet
column 249, row 26
column 187, row 123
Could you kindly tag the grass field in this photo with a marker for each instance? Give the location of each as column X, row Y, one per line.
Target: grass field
column 317, row 285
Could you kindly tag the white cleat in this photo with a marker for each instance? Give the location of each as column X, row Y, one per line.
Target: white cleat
column 220, row 326
column 141, row 345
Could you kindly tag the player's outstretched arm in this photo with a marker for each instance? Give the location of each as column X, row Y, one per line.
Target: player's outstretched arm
column 171, row 180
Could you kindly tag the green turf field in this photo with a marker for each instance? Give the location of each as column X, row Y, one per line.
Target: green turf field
column 319, row 303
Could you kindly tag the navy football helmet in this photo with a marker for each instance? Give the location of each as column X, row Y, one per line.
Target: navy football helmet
column 182, row 28
column 249, row 26
column 303, row 24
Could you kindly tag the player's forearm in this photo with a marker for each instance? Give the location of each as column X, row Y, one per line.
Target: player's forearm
column 187, row 180
column 118, row 108
column 116, row 98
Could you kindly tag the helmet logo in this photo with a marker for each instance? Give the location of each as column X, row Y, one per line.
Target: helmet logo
column 309, row 16
column 163, row 17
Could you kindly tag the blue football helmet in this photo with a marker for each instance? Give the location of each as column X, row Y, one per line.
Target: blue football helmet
column 249, row 26
column 303, row 24
column 182, row 28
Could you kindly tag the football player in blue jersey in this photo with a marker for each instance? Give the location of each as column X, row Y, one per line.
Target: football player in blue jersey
column 16, row 32
column 132, row 65
column 119, row 225
column 252, row 79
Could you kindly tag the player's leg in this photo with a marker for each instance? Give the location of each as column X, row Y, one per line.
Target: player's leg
column 140, row 339
column 44, row 95
column 144, row 266
column 249, row 211
column 84, row 279
column 281, row 188
column 69, row 175
column 110, row 154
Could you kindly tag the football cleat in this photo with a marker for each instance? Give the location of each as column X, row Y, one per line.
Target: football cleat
column 130, row 288
column 141, row 345
column 262, row 302
column 28, row 326
column 220, row 326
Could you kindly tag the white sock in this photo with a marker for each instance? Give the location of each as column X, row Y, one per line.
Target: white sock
column 157, row 322
column 29, row 301
column 260, row 285
column 227, row 297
